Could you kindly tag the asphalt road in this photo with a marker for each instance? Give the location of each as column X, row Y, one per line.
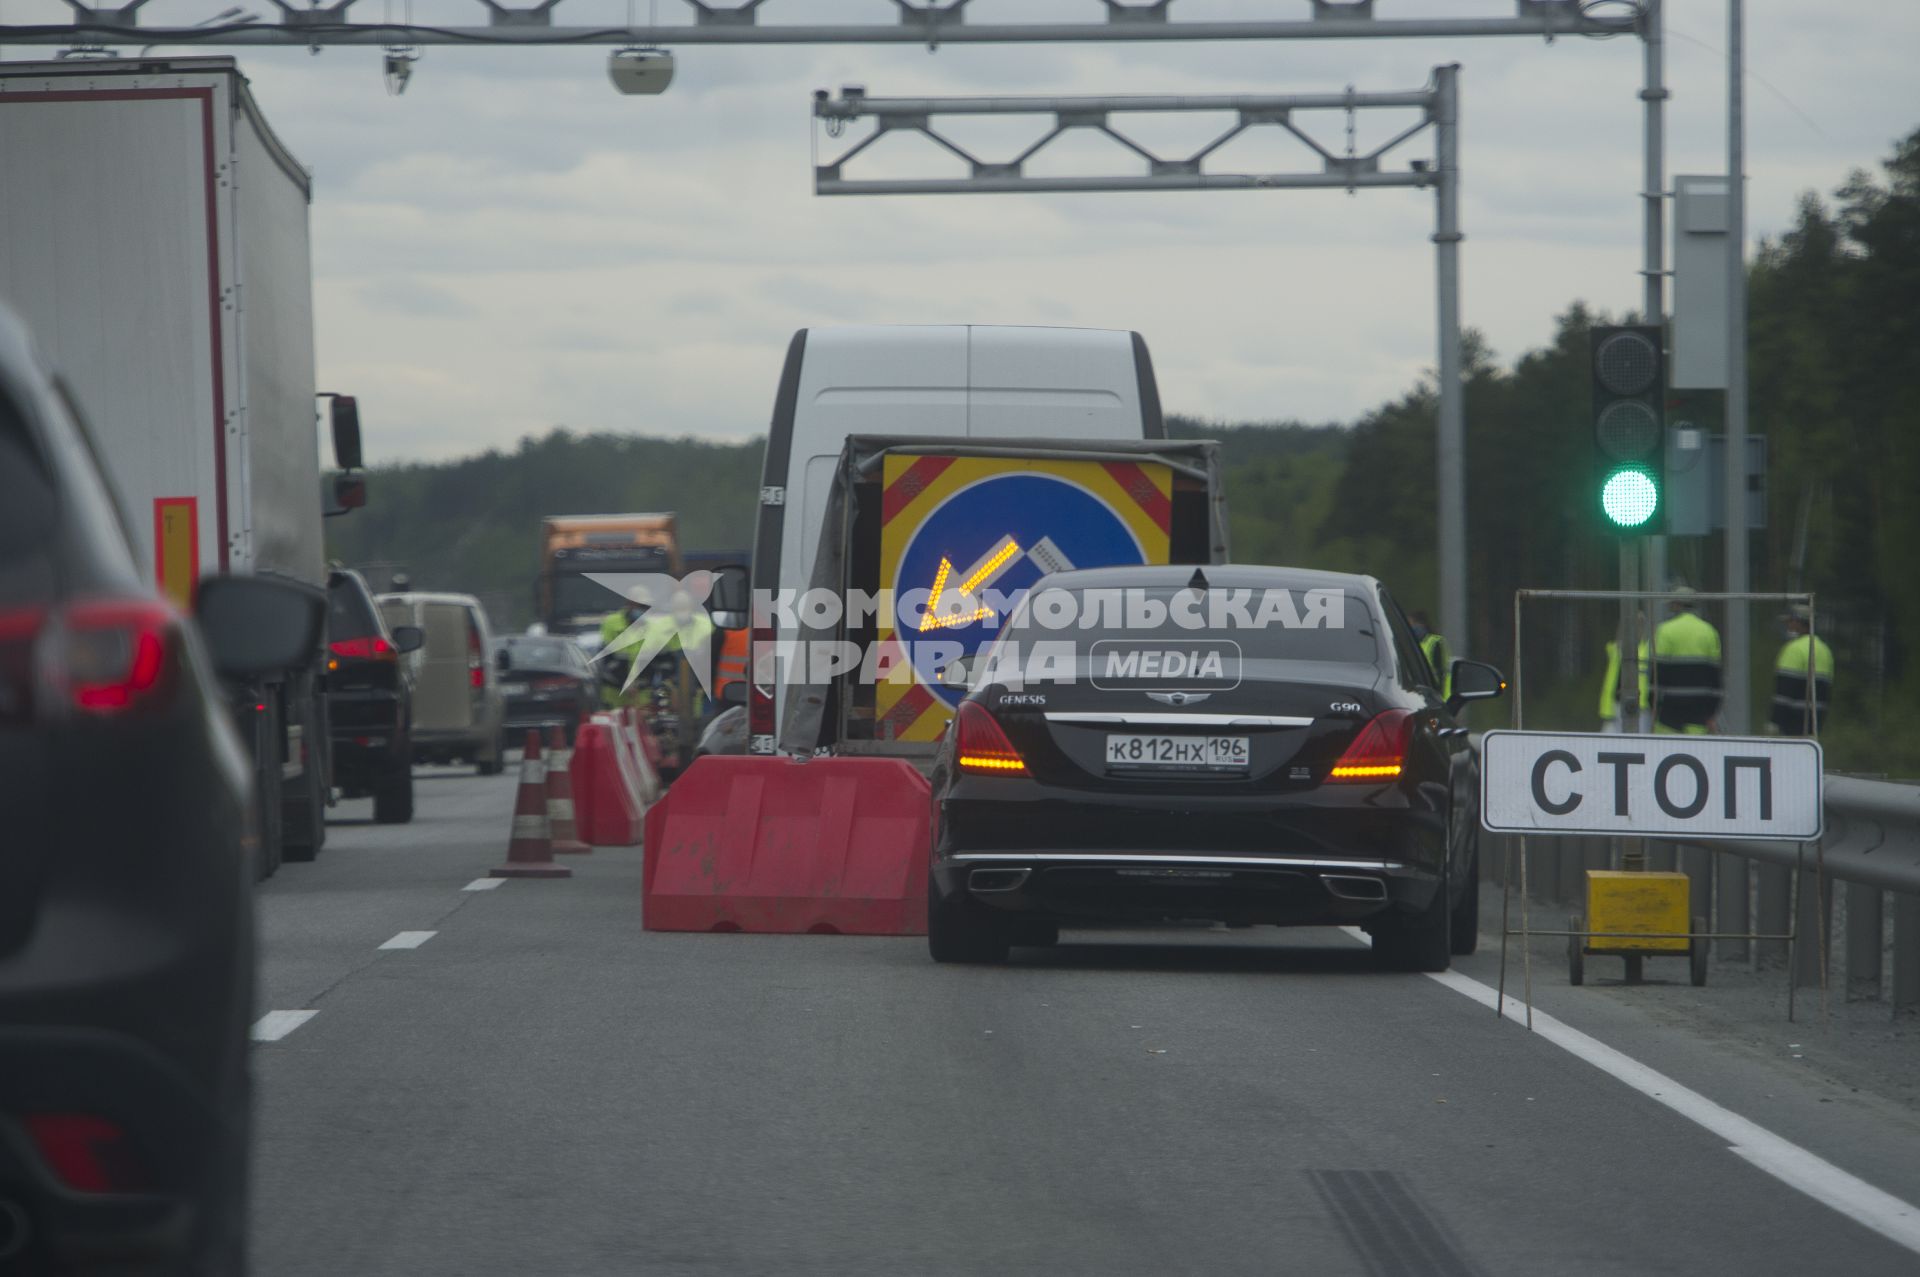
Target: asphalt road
column 541, row 1087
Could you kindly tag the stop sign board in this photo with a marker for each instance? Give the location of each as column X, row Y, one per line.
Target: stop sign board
column 1681, row 787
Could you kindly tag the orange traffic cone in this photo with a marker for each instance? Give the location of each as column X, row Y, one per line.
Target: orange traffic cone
column 565, row 837
column 530, row 850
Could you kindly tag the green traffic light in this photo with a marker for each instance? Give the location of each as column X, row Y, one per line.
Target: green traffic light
column 1629, row 497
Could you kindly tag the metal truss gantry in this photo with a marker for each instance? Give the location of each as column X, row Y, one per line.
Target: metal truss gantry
column 709, row 22
column 1439, row 107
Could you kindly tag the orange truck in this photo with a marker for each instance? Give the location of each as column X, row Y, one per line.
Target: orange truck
column 575, row 547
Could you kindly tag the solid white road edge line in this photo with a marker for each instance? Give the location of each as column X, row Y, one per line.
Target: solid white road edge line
column 275, row 1025
column 1896, row 1220
column 483, row 884
column 409, row 939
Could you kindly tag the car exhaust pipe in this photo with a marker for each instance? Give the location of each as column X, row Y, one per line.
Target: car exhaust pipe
column 16, row 1230
column 1355, row 887
column 992, row 880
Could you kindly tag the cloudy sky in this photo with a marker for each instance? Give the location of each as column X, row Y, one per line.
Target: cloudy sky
column 511, row 245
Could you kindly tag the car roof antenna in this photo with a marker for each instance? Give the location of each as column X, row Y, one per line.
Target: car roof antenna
column 1198, row 581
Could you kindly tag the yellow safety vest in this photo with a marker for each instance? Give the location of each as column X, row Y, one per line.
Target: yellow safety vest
column 1440, row 659
column 1686, row 674
column 1610, row 685
column 1791, row 716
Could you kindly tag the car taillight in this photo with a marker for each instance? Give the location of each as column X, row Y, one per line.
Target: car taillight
column 762, row 662
column 88, row 1154
column 477, row 676
column 1378, row 752
column 983, row 746
column 370, row 648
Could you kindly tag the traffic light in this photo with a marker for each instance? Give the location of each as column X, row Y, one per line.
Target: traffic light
column 1629, row 426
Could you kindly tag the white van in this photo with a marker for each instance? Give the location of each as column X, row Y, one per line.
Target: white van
column 955, row 381
column 459, row 712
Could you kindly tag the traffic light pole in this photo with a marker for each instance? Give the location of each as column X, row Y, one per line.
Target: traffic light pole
column 1451, row 443
column 1734, row 714
column 1653, row 196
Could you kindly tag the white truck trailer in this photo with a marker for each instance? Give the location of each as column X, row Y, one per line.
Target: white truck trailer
column 153, row 234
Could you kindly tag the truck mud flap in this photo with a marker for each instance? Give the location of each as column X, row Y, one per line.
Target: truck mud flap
column 835, row 846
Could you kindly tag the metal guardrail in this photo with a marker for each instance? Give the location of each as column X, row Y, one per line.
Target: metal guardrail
column 1873, row 835
column 1872, row 847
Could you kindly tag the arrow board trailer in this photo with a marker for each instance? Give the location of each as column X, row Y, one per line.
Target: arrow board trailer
column 1683, row 788
column 153, row 236
column 944, row 537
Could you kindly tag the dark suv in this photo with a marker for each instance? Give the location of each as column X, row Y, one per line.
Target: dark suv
column 129, row 834
column 369, row 699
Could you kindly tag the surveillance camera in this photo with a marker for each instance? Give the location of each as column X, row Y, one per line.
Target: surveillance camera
column 640, row 71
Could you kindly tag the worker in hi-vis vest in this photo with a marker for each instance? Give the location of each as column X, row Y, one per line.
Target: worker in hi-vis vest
column 1804, row 658
column 1434, row 647
column 1686, row 669
column 1610, row 688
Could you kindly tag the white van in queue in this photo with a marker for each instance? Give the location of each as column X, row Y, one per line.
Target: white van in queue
column 955, row 381
column 459, row 711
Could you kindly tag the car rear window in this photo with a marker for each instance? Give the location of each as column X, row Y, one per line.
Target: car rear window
column 350, row 611
column 1274, row 624
column 551, row 654
column 447, row 626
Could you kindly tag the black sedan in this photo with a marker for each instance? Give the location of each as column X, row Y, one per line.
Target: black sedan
column 1228, row 744
column 547, row 682
column 127, row 865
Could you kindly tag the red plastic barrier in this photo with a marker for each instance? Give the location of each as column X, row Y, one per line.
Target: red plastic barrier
column 606, row 812
column 642, row 781
column 649, row 746
column 834, row 845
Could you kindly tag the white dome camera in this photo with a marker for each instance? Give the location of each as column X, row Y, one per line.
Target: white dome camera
column 640, row 71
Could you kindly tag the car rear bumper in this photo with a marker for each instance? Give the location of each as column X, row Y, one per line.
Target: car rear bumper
column 189, row 1155
column 524, row 714
column 1093, row 887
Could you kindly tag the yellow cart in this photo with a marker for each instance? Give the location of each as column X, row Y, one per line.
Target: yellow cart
column 1635, row 914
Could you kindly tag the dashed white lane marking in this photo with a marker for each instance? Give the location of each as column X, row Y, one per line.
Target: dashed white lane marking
column 409, row 939
column 483, row 884
column 1896, row 1220
column 275, row 1025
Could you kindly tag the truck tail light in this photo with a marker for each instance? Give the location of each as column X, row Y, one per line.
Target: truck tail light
column 1378, row 753
column 983, row 746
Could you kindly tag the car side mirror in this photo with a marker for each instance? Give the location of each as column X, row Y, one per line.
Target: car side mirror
column 408, row 638
column 1475, row 681
column 503, row 660
column 728, row 601
column 255, row 626
column 343, row 415
column 734, row 693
